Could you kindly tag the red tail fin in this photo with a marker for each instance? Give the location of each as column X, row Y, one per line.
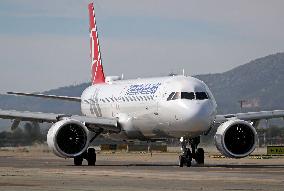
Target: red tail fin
column 98, row 75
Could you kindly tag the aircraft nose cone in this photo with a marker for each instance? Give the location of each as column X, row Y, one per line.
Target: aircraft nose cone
column 202, row 110
column 205, row 110
column 199, row 114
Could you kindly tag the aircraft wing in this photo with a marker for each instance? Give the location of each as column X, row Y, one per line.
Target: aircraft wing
column 251, row 116
column 65, row 98
column 109, row 124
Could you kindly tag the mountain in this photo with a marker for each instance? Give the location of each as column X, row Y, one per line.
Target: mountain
column 46, row 105
column 261, row 80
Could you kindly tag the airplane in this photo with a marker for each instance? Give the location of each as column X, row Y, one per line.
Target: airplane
column 149, row 109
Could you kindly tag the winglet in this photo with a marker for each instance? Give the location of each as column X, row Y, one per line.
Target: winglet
column 98, row 75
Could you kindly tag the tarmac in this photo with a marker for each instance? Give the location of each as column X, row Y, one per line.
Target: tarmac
column 28, row 169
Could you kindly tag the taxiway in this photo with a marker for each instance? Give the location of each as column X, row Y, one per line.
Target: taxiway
column 36, row 170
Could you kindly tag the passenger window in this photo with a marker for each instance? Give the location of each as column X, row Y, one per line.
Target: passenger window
column 201, row 95
column 187, row 95
column 137, row 98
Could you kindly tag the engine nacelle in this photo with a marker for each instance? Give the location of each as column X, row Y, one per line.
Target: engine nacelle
column 68, row 138
column 236, row 138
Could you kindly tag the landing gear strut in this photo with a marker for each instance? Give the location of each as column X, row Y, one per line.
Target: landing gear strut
column 89, row 155
column 195, row 153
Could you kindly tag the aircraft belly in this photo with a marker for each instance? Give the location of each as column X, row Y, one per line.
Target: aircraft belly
column 145, row 124
column 153, row 128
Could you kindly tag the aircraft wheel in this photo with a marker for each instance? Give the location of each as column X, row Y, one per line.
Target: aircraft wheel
column 78, row 161
column 199, row 156
column 188, row 157
column 91, row 157
column 181, row 161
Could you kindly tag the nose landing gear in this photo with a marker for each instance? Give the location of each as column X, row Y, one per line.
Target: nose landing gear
column 195, row 153
column 185, row 158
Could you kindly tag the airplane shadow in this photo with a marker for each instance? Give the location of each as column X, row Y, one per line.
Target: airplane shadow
column 231, row 166
column 131, row 165
column 278, row 166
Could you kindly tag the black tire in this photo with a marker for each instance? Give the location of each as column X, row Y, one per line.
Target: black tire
column 199, row 156
column 188, row 163
column 78, row 161
column 91, row 157
column 188, row 157
column 181, row 161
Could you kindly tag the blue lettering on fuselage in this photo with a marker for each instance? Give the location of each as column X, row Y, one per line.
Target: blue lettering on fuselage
column 142, row 89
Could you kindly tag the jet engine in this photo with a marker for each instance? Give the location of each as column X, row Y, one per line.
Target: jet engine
column 235, row 138
column 68, row 138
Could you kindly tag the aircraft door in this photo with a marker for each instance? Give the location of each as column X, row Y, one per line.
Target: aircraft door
column 114, row 106
column 159, row 97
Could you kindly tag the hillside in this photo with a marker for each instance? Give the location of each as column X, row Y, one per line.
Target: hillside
column 45, row 105
column 261, row 79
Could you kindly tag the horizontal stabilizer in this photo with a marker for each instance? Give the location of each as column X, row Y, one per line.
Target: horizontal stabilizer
column 65, row 98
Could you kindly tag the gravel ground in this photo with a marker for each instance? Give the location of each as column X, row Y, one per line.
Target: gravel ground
column 38, row 169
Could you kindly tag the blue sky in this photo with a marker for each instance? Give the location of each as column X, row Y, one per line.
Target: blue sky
column 45, row 44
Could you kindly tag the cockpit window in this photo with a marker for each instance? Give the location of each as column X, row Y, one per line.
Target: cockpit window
column 187, row 95
column 176, row 96
column 201, row 95
column 171, row 96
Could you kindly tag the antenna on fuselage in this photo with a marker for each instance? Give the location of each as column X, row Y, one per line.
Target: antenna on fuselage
column 122, row 76
column 183, row 71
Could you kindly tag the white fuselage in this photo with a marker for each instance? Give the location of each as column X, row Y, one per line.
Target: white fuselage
column 153, row 108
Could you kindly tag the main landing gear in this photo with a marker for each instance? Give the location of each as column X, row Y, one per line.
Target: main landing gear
column 89, row 155
column 195, row 153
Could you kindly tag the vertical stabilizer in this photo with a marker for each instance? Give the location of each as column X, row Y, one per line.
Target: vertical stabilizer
column 98, row 75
